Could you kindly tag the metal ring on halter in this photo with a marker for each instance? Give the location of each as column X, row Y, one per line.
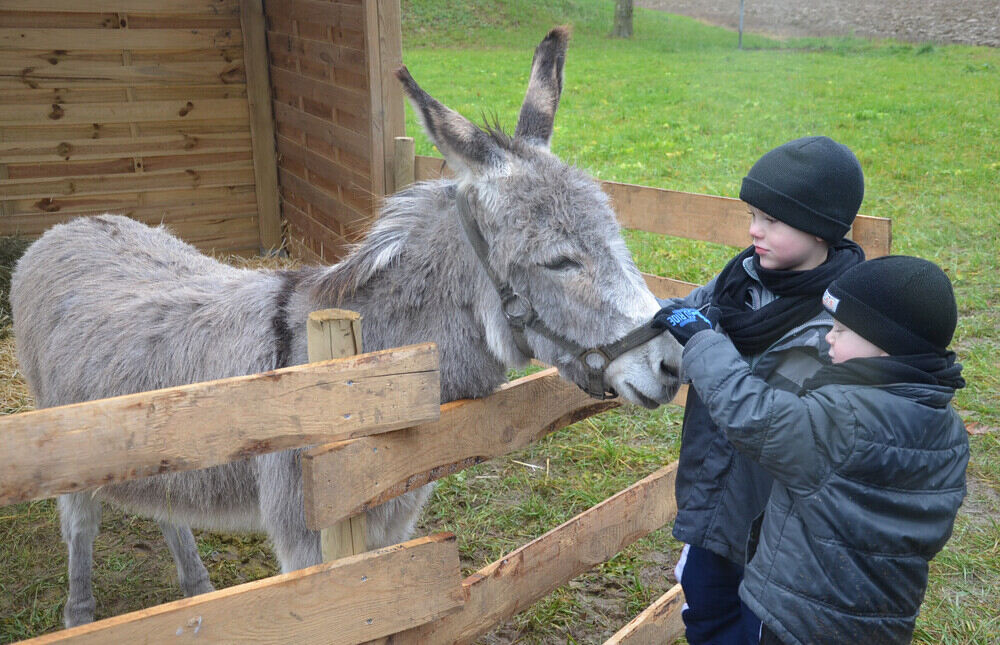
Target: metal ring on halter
column 517, row 309
column 595, row 359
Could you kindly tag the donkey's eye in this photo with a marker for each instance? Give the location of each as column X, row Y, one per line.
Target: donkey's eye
column 563, row 264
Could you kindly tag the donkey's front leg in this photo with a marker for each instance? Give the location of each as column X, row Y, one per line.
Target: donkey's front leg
column 80, row 517
column 279, row 484
column 191, row 571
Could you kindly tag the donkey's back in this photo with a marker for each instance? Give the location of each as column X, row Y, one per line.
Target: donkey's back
column 105, row 306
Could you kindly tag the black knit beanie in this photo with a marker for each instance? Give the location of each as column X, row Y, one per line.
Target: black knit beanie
column 903, row 305
column 813, row 184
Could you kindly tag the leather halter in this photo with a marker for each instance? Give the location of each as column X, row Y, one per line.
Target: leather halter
column 521, row 315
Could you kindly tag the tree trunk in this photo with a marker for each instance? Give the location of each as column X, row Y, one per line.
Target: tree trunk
column 623, row 19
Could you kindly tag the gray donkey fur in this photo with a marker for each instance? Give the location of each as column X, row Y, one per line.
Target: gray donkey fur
column 105, row 306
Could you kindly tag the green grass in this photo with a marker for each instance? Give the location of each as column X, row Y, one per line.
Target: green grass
column 677, row 107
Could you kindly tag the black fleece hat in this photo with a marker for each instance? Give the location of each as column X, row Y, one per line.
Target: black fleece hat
column 902, row 304
column 813, row 184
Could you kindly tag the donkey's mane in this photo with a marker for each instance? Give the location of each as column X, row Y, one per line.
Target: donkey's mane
column 401, row 214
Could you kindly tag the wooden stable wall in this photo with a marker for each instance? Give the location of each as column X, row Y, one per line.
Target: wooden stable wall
column 337, row 109
column 138, row 107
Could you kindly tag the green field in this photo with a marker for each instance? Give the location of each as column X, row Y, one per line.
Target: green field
column 678, row 107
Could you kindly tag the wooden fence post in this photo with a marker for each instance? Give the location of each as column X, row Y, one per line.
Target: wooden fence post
column 336, row 333
column 402, row 163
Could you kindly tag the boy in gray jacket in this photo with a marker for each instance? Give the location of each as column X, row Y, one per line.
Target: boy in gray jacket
column 868, row 459
column 802, row 197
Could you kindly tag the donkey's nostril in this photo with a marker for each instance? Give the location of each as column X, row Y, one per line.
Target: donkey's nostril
column 668, row 369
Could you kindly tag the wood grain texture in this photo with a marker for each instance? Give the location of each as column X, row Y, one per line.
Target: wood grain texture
column 707, row 218
column 84, row 445
column 133, row 39
column 346, row 478
column 265, row 163
column 337, row 603
column 513, row 583
column 658, row 624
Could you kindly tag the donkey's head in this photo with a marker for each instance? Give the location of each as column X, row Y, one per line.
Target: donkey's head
column 550, row 234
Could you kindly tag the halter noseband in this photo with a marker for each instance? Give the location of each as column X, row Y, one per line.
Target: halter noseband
column 521, row 315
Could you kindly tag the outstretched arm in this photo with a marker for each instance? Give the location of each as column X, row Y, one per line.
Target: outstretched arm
column 774, row 427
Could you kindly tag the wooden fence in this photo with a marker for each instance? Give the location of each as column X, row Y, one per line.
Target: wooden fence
column 382, row 446
column 210, row 116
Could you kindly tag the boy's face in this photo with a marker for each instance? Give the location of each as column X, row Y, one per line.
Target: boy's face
column 845, row 344
column 783, row 248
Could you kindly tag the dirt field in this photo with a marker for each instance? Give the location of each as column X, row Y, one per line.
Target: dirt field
column 969, row 22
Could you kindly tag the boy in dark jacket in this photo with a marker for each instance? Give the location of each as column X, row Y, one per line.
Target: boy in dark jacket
column 803, row 197
column 868, row 459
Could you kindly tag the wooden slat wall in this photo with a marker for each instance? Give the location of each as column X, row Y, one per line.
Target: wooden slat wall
column 136, row 107
column 331, row 117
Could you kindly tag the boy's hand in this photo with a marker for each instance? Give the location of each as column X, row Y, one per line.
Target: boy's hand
column 683, row 322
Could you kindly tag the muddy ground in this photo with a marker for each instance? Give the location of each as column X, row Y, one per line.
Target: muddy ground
column 968, row 22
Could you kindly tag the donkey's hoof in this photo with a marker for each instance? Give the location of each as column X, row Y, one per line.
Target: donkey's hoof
column 200, row 587
column 78, row 613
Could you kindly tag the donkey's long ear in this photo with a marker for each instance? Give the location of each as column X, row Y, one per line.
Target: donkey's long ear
column 464, row 146
column 542, row 99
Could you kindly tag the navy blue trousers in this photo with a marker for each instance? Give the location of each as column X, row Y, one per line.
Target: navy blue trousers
column 714, row 614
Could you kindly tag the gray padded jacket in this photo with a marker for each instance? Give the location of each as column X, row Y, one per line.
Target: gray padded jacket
column 868, row 480
column 720, row 491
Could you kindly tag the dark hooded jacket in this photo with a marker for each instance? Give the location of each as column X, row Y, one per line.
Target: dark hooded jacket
column 719, row 490
column 868, row 480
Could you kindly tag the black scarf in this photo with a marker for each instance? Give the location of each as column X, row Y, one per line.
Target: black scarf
column 927, row 369
column 799, row 296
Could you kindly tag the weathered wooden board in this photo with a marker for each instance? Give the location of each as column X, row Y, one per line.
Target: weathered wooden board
column 113, row 148
column 137, row 112
column 342, row 602
column 517, row 580
column 80, row 446
column 346, row 478
column 658, row 624
column 708, row 218
column 125, row 182
column 265, row 163
column 134, row 39
column 193, row 7
column 81, row 73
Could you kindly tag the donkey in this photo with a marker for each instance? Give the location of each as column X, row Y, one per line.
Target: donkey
column 105, row 306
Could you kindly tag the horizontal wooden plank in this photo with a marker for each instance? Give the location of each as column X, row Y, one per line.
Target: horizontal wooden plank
column 75, row 447
column 135, row 112
column 511, row 584
column 82, row 73
column 193, row 198
column 332, row 244
column 321, row 51
column 153, row 146
column 196, row 7
column 341, row 98
column 116, row 39
column 709, row 218
column 207, row 216
column 349, row 477
column 335, row 603
column 298, row 188
column 668, row 287
column 52, row 188
column 333, row 14
column 658, row 624
column 325, row 167
column 336, row 135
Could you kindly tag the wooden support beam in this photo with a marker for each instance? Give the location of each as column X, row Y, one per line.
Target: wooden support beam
column 402, row 163
column 384, row 53
column 84, row 445
column 658, row 624
column 337, row 603
column 349, row 477
column 335, row 333
column 516, row 581
column 265, row 164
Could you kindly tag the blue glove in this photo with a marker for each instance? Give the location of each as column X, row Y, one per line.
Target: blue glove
column 683, row 322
